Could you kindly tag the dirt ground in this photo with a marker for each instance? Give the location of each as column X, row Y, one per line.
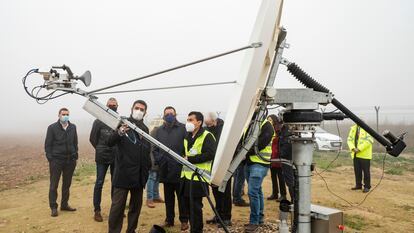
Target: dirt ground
column 24, row 202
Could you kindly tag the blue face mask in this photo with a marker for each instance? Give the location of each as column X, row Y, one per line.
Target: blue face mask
column 64, row 119
column 170, row 118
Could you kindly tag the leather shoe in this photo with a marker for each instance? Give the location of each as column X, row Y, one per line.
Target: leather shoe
column 272, row 197
column 67, row 208
column 250, row 228
column 281, row 198
column 167, row 224
column 184, row 226
column 211, row 221
column 242, row 203
column 54, row 212
column 150, row 204
column 98, row 216
column 356, row 188
column 366, row 190
column 158, row 200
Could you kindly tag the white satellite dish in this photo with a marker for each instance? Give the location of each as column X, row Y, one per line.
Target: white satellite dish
column 252, row 79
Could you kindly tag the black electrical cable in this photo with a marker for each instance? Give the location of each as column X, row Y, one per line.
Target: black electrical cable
column 295, row 200
column 253, row 45
column 366, row 196
column 38, row 99
column 338, row 152
column 216, row 213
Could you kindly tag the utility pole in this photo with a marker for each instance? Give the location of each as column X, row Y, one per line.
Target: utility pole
column 323, row 122
column 377, row 108
column 218, row 114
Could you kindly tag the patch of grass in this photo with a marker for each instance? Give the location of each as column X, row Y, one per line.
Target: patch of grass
column 395, row 171
column 324, row 159
column 407, row 207
column 393, row 165
column 34, row 178
column 83, row 170
column 353, row 221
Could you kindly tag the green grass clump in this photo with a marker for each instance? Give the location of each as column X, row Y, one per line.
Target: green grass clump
column 355, row 222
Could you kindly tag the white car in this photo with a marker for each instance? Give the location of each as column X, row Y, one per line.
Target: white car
column 325, row 141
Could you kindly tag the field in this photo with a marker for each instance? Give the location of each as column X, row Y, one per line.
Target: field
column 24, row 189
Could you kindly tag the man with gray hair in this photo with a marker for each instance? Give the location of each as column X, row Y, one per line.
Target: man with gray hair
column 223, row 200
column 104, row 157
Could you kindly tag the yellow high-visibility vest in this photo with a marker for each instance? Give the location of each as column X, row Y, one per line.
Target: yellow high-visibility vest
column 364, row 143
column 265, row 152
column 193, row 152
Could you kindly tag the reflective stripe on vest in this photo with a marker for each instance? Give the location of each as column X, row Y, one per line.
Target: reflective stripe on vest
column 196, row 151
column 265, row 152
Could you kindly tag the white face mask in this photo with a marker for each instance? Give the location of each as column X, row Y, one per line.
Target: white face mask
column 137, row 115
column 189, row 127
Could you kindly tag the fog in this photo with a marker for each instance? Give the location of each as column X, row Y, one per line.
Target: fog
column 361, row 50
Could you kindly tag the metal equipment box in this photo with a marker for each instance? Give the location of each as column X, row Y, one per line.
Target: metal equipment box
column 326, row 220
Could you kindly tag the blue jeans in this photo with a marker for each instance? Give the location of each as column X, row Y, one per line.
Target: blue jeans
column 238, row 183
column 255, row 174
column 152, row 186
column 100, row 179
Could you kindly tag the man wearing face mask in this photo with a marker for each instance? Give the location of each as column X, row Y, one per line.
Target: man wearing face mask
column 132, row 164
column 223, row 200
column 104, row 157
column 171, row 133
column 199, row 149
column 61, row 147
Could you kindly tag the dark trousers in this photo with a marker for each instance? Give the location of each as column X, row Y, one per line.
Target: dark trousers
column 100, row 179
column 57, row 168
column 289, row 178
column 238, row 183
column 223, row 201
column 195, row 213
column 116, row 213
column 278, row 182
column 170, row 191
column 362, row 166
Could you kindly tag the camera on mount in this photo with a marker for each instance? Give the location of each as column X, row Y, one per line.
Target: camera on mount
column 64, row 80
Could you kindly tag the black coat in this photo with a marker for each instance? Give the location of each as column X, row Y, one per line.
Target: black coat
column 60, row 143
column 216, row 130
column 132, row 162
column 99, row 136
column 173, row 137
column 285, row 146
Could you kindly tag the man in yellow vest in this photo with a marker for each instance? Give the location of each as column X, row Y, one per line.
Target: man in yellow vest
column 256, row 170
column 360, row 146
column 199, row 149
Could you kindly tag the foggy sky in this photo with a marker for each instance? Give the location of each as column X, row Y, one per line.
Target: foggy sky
column 361, row 50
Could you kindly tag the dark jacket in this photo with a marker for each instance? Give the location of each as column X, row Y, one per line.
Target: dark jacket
column 172, row 137
column 60, row 143
column 265, row 137
column 207, row 154
column 154, row 164
column 132, row 162
column 285, row 146
column 99, row 136
column 216, row 130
